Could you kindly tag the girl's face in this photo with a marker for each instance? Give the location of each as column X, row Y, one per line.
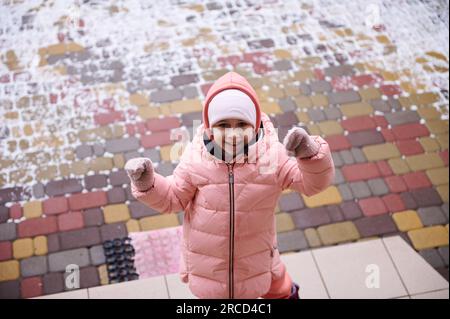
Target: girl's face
column 231, row 134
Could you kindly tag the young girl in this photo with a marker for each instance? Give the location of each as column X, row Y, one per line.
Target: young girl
column 228, row 182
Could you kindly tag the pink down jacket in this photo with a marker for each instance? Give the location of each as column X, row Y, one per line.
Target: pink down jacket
column 229, row 247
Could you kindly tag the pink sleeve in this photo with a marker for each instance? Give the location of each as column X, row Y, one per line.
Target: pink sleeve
column 307, row 176
column 169, row 194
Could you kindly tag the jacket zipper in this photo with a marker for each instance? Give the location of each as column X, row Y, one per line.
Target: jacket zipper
column 231, row 242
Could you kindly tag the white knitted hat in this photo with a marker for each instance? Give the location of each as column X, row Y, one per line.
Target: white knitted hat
column 232, row 104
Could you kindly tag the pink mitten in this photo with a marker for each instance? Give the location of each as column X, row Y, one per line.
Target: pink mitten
column 140, row 172
column 300, row 144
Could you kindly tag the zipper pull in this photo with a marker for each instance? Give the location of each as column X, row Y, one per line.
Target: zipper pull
column 230, row 174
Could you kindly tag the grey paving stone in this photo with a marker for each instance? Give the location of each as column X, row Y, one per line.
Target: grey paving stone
column 97, row 255
column 112, row 231
column 345, row 191
column 10, row 289
column 64, row 186
column 332, row 113
column 8, row 231
column 320, row 86
column 378, row 187
column 83, row 151
column 291, row 241
column 183, row 79
column 358, row 155
column 139, row 210
column 4, row 214
column 119, row 177
column 344, row 97
column 351, row 210
column 347, row 157
column 190, row 92
column 122, row 145
column 402, row 117
column 310, row 217
column 165, row 96
column 316, row 115
column 95, row 181
column 335, row 213
column 116, row 195
column 287, row 105
column 432, row 257
column 431, row 216
column 282, row 65
column 290, row 202
column 362, row 138
column 360, row 189
column 338, row 177
column 337, row 159
column 84, row 237
column 33, row 266
column 60, row 260
column 376, row 225
column 444, row 209
column 443, row 252
column 53, row 283
column 339, row 70
column 38, row 190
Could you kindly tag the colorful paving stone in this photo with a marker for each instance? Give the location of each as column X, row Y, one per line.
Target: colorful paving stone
column 118, row 93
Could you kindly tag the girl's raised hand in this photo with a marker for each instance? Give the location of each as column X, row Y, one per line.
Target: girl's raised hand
column 300, row 144
column 141, row 173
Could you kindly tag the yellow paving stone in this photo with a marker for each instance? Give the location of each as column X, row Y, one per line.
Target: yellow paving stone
column 389, row 76
column 303, row 117
column 405, row 101
column 40, row 245
column 399, row 166
column 116, row 213
column 407, row 220
column 424, row 161
column 276, row 92
column 426, row 98
column 369, row 94
column 303, row 75
column 303, row 102
column 22, row 248
column 133, row 226
column 79, row 167
column 159, row 221
column 443, row 141
column 148, row 112
column 330, row 128
column 284, row 222
column 356, row 109
column 282, row 54
column 139, row 99
column 291, row 90
column 380, row 152
column 329, row 196
column 438, row 176
column 429, row 237
column 186, row 106
column 169, row 153
column 429, row 113
column 74, row 47
column 443, row 192
column 101, row 164
column 437, row 126
column 56, row 49
column 429, row 144
column 103, row 275
column 319, row 100
column 313, row 129
column 9, row 270
column 271, row 107
column 312, row 236
column 119, row 160
column 32, row 209
column 338, row 233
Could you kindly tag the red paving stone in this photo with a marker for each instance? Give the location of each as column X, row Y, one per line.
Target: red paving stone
column 388, row 134
column 366, row 79
column 109, row 117
column 162, row 124
column 156, row 139
column 87, row 200
column 380, row 121
column 394, row 203
column 396, row 184
column 409, row 147
column 31, row 287
column 359, row 172
column 444, row 156
column 384, row 168
column 15, row 211
column 358, row 123
column 373, row 206
column 338, row 142
column 410, row 131
column 55, row 205
column 390, row 89
column 70, row 221
column 416, row 180
column 37, row 226
column 5, row 250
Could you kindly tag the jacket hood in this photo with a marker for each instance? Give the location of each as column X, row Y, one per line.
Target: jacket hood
column 230, row 80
